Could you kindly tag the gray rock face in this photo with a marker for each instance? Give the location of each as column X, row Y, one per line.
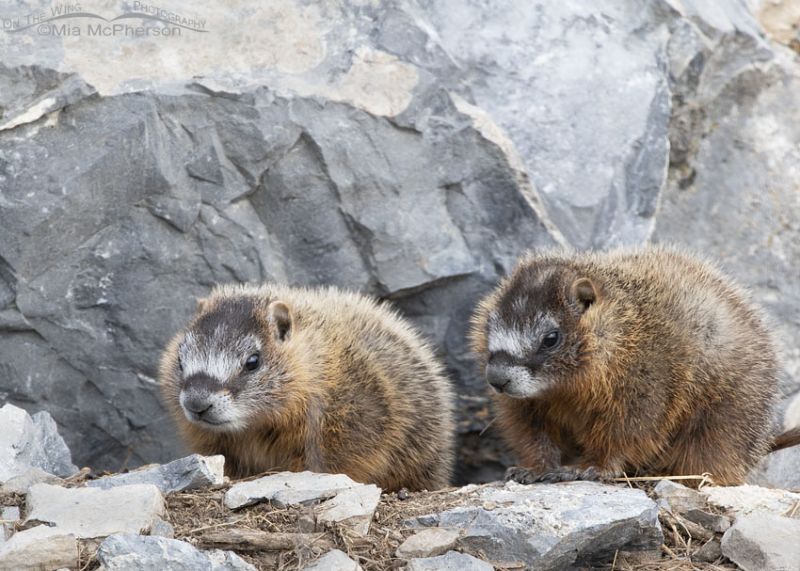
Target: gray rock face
column 539, row 70
column 90, row 512
column 552, row 526
column 409, row 150
column 143, row 553
column 188, row 473
column 762, row 542
column 31, row 442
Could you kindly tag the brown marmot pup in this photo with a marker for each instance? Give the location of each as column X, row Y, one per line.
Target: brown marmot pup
column 645, row 361
column 281, row 378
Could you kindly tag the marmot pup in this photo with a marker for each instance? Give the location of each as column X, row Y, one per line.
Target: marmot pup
column 644, row 361
column 281, row 378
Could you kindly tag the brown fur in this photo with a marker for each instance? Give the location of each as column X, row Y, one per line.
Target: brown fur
column 352, row 390
column 670, row 371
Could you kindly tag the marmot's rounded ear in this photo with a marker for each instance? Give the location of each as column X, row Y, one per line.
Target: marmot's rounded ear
column 280, row 320
column 584, row 292
column 202, row 304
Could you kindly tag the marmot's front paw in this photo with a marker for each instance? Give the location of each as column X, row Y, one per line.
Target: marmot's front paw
column 522, row 475
column 564, row 474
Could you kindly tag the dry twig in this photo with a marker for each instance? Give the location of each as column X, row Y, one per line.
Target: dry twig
column 243, row 539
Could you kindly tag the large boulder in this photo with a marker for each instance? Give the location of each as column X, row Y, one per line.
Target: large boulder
column 410, row 150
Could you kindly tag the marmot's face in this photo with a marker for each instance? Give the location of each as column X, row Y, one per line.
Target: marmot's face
column 228, row 364
column 532, row 340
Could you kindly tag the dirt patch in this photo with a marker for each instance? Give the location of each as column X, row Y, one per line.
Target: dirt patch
column 196, row 516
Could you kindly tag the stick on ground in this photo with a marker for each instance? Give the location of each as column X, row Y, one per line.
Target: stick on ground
column 243, row 539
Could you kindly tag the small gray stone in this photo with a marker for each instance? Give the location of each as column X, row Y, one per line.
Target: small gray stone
column 709, row 552
column 288, row 488
column 188, row 473
column 712, row 522
column 452, row 561
column 10, row 514
column 747, row 499
column 353, row 507
column 40, row 547
column 27, row 442
column 678, row 498
column 342, row 499
column 334, row 560
column 428, row 543
column 762, row 542
column 8, row 517
column 92, row 512
column 23, row 482
column 428, row 520
column 143, row 553
column 162, row 528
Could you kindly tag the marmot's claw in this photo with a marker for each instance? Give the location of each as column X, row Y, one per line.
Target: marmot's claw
column 521, row 475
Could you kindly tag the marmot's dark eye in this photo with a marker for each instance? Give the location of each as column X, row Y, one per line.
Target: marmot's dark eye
column 180, row 365
column 550, row 340
column 252, row 362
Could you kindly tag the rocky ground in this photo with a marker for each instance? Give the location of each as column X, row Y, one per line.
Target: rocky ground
column 187, row 515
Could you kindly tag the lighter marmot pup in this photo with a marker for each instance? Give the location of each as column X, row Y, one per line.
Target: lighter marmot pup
column 281, row 378
column 645, row 361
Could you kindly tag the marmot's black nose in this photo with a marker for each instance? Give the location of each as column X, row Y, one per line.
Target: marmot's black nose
column 198, row 404
column 498, row 376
